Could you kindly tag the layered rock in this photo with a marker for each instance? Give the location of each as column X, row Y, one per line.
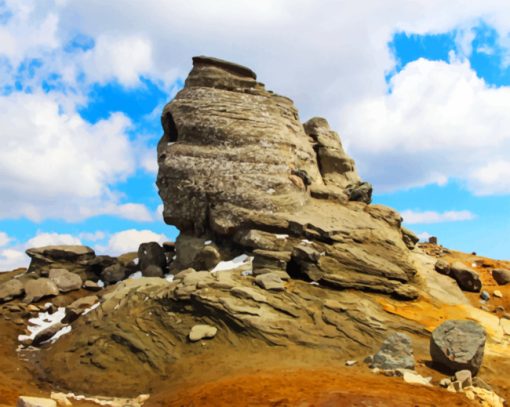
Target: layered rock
column 236, row 166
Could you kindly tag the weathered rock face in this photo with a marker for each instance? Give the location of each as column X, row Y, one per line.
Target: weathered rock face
column 238, row 167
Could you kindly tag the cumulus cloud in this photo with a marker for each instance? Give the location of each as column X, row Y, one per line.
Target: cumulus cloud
column 418, row 217
column 129, row 240
column 52, row 239
column 440, row 122
column 4, row 239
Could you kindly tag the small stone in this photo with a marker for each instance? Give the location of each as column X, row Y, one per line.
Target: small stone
column 24, row 401
column 199, row 332
column 412, row 377
column 445, row 382
column 464, row 378
column 396, row 353
column 484, row 295
column 32, row 308
column 497, row 294
column 91, row 286
column 351, row 362
column 61, row 399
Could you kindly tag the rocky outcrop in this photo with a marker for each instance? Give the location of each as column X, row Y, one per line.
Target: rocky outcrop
column 458, row 345
column 72, row 258
column 238, row 168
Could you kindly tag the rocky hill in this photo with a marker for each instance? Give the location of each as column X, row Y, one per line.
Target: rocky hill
column 283, row 273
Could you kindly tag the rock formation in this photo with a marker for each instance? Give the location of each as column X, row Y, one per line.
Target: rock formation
column 236, row 166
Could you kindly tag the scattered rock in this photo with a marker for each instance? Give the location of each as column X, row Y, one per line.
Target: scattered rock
column 11, row 289
column 76, row 308
column 396, row 352
column 467, row 279
column 24, row 401
column 151, row 254
column 351, row 362
column 65, row 280
column 113, row 274
column 91, row 286
column 484, row 295
column 458, row 345
column 199, row 332
column 445, row 382
column 501, row 276
column 411, row 377
column 270, row 281
column 39, row 288
column 61, row 399
column 497, row 294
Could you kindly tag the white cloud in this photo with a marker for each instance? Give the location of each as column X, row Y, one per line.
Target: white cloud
column 52, row 239
column 4, row 239
column 129, row 240
column 418, row 217
column 11, row 259
column 440, row 122
column 92, row 236
column 53, row 164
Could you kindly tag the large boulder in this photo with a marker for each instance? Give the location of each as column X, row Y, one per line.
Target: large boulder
column 396, row 352
column 501, row 276
column 65, row 280
column 39, row 288
column 458, row 345
column 236, row 164
column 11, row 289
column 114, row 273
column 151, row 254
column 70, row 257
column 467, row 279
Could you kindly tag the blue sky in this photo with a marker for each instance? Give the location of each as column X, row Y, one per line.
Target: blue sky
column 421, row 104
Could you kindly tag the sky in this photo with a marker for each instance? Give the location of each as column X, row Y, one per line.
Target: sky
column 419, row 92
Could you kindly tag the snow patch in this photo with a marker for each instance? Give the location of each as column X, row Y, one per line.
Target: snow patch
column 100, row 283
column 169, row 277
column 136, row 275
column 282, row 236
column 43, row 321
column 236, row 262
column 91, row 308
column 136, row 260
column 208, row 242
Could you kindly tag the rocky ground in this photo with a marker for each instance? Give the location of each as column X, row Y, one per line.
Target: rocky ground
column 286, row 286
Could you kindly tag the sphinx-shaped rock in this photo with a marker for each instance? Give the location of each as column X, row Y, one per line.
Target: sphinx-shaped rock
column 237, row 166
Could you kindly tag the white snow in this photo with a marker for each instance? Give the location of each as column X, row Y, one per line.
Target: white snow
column 100, row 283
column 47, row 306
column 170, row 143
column 207, row 242
column 283, row 236
column 135, row 260
column 91, row 308
column 111, row 401
column 169, row 277
column 136, row 275
column 271, row 191
column 174, row 258
column 236, row 262
column 45, row 320
column 306, row 241
column 314, row 283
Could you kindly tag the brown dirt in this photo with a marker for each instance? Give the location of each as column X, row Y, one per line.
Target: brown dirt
column 306, row 387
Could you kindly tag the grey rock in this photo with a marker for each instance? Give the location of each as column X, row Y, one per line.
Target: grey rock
column 199, row 332
column 270, row 281
column 501, row 276
column 396, row 352
column 11, row 289
column 207, row 258
column 361, row 192
column 76, row 308
column 65, row 280
column 467, row 279
column 484, row 295
column 458, row 345
column 113, row 274
column 464, row 377
column 39, row 288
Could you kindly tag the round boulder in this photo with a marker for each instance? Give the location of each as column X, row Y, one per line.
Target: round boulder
column 11, row 289
column 40, row 288
column 151, row 254
column 458, row 345
column 501, row 276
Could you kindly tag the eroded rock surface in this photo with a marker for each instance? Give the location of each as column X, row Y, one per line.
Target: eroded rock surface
column 236, row 166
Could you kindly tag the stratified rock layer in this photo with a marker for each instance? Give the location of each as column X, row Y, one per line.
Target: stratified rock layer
column 237, row 166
